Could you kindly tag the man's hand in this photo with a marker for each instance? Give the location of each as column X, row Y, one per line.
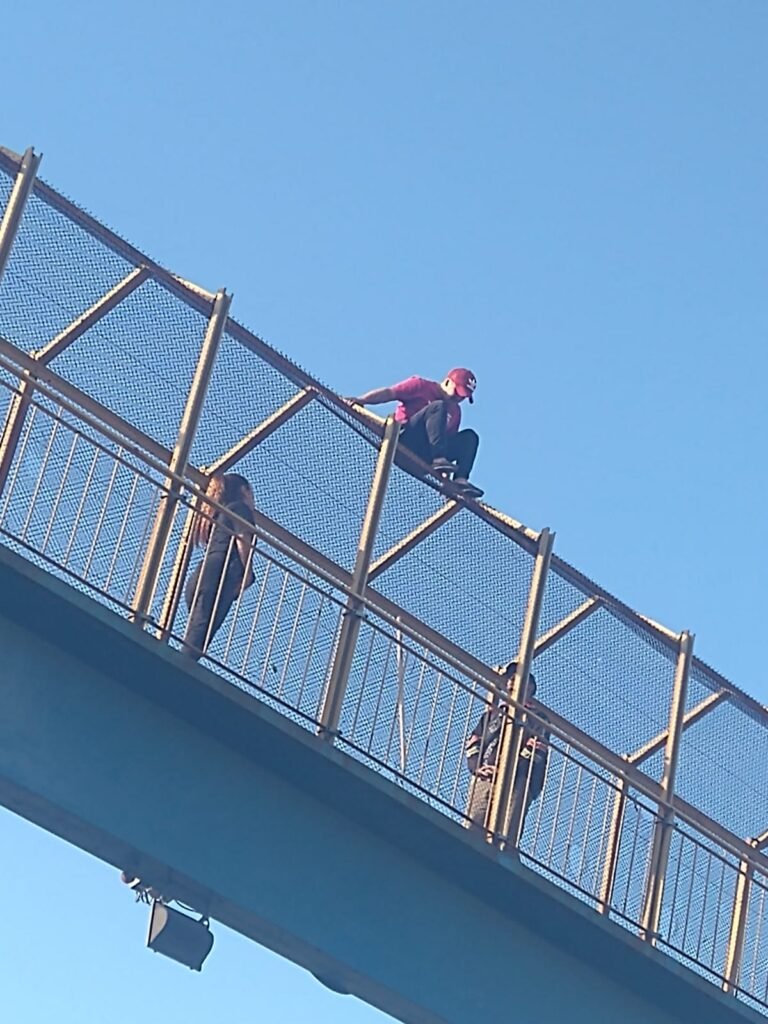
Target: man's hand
column 486, row 772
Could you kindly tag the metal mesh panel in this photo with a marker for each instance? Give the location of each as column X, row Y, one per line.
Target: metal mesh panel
column 467, row 581
column 609, row 680
column 698, row 899
column 244, row 390
column 278, row 639
column 6, row 187
column 753, row 976
column 410, row 713
column 56, row 272
column 139, row 360
column 78, row 504
column 561, row 598
column 567, row 829
column 722, row 768
column 313, row 476
column 82, row 506
column 407, row 504
column 8, row 384
column 634, row 854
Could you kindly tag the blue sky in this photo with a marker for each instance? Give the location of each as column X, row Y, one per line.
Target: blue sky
column 567, row 196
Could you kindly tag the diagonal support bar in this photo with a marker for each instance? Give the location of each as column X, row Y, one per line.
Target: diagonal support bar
column 260, row 433
column 91, row 316
column 19, row 365
column 20, row 402
column 416, row 536
column 14, row 211
column 689, row 718
column 576, row 617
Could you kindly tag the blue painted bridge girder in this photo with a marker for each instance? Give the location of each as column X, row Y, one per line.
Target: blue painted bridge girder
column 109, row 740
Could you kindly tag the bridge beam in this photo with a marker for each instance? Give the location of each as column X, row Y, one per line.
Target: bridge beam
column 110, row 740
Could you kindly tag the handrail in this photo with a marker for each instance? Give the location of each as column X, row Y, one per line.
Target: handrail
column 393, row 615
column 200, row 299
column 82, row 418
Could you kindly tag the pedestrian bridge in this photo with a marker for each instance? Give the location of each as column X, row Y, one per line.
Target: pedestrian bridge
column 305, row 783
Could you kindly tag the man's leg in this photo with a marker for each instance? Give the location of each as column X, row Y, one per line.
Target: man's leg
column 479, row 801
column 414, row 438
column 435, row 421
column 462, row 449
column 529, row 780
column 424, row 433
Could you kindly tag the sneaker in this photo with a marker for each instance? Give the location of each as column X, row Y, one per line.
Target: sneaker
column 469, row 490
column 443, row 465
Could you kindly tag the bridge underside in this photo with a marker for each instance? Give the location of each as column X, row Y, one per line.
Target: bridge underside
column 110, row 741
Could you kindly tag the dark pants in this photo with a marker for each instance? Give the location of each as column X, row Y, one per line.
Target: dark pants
column 425, row 435
column 529, row 781
column 209, row 598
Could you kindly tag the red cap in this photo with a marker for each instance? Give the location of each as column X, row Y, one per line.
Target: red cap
column 465, row 382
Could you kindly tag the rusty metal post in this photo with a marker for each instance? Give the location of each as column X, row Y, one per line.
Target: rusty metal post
column 663, row 831
column 504, row 811
column 153, row 559
column 350, row 625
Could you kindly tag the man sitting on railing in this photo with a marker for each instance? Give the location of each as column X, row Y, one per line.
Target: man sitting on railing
column 430, row 414
column 482, row 753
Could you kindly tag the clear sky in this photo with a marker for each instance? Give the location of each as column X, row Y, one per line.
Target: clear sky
column 568, row 196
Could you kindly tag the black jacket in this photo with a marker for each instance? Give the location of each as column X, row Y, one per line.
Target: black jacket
column 482, row 748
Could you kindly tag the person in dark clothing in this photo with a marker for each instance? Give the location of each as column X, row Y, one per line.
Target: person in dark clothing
column 430, row 414
column 482, row 753
column 225, row 571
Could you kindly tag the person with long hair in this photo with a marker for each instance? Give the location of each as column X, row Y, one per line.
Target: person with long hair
column 225, row 571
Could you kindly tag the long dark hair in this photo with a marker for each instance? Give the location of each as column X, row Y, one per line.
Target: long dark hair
column 224, row 489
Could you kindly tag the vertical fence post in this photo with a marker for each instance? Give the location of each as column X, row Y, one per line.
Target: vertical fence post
column 611, row 861
column 505, row 810
column 153, row 559
column 738, row 925
column 9, row 226
column 173, row 591
column 350, row 623
column 14, row 211
column 662, row 833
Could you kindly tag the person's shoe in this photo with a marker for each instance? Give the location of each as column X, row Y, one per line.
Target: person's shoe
column 443, row 465
column 467, row 489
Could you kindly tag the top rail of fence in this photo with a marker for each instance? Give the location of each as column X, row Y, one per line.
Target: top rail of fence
column 79, row 502
column 95, row 325
column 63, row 264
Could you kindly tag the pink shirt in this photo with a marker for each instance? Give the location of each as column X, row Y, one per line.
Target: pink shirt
column 416, row 392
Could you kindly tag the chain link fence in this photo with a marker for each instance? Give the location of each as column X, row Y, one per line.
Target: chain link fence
column 81, row 503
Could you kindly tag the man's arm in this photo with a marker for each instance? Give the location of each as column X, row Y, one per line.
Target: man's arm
column 376, row 397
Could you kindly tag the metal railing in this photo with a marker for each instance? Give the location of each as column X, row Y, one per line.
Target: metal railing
column 357, row 625
column 81, row 502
